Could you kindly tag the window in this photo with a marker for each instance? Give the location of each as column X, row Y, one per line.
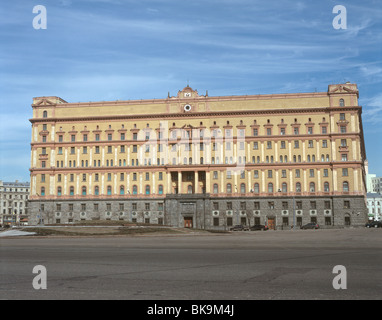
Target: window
column 229, row 188
column 343, row 129
column 84, row 191
column 271, row 205
column 312, row 187
column 256, row 188
column 160, row 189
column 298, row 187
column 324, row 130
column 345, row 172
column 71, row 191
column 109, row 190
column 96, row 191
column 326, row 187
column 242, row 188
column 215, row 188
column 256, row 205
column 346, row 204
column 135, row 189
column 342, row 102
column 147, row 189
column 345, row 186
column 284, row 187
column 270, row 187
column 121, row 190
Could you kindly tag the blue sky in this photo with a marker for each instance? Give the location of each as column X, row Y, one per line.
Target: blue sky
column 95, row 50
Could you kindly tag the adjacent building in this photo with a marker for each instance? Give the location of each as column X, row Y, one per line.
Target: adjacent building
column 374, row 206
column 14, row 203
column 193, row 160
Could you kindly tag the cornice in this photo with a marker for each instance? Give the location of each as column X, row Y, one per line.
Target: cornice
column 199, row 114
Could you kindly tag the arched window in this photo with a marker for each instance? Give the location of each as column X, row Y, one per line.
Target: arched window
column 45, row 114
column 109, row 190
column 229, row 188
column 71, row 191
column 284, row 187
column 256, row 188
column 160, row 189
column 96, row 190
column 298, row 187
column 342, row 102
column 242, row 188
column 190, row 160
column 345, row 186
column 135, row 189
column 42, row 191
column 121, row 190
column 59, row 191
column 189, row 189
column 216, row 188
column 326, row 187
column 84, row 191
column 270, row 187
column 147, row 189
column 312, row 187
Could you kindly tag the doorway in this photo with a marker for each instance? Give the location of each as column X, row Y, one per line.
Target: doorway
column 188, row 222
column 271, row 223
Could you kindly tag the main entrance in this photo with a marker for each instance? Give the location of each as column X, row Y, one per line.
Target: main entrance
column 188, row 222
column 271, row 223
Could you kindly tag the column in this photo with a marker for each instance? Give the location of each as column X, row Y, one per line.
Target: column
column 208, row 182
column 196, row 185
column 179, row 181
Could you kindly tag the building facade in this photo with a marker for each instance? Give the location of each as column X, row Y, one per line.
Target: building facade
column 374, row 206
column 14, row 203
column 197, row 161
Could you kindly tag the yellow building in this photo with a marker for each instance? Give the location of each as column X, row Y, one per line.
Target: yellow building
column 199, row 161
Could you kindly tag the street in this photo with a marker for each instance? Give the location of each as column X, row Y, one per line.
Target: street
column 241, row 265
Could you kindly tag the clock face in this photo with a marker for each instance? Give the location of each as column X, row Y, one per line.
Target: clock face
column 187, row 94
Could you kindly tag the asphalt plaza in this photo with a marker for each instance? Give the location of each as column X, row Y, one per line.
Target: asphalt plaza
column 239, row 265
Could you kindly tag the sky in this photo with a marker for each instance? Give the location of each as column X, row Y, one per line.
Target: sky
column 101, row 50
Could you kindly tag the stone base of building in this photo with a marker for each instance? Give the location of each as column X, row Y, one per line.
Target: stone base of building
column 204, row 211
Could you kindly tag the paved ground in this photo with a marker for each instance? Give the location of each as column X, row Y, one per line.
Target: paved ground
column 243, row 265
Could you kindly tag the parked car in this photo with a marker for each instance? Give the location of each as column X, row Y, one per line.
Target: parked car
column 311, row 225
column 239, row 227
column 374, row 224
column 258, row 227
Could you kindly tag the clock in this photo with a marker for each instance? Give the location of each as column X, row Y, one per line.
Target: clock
column 187, row 94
